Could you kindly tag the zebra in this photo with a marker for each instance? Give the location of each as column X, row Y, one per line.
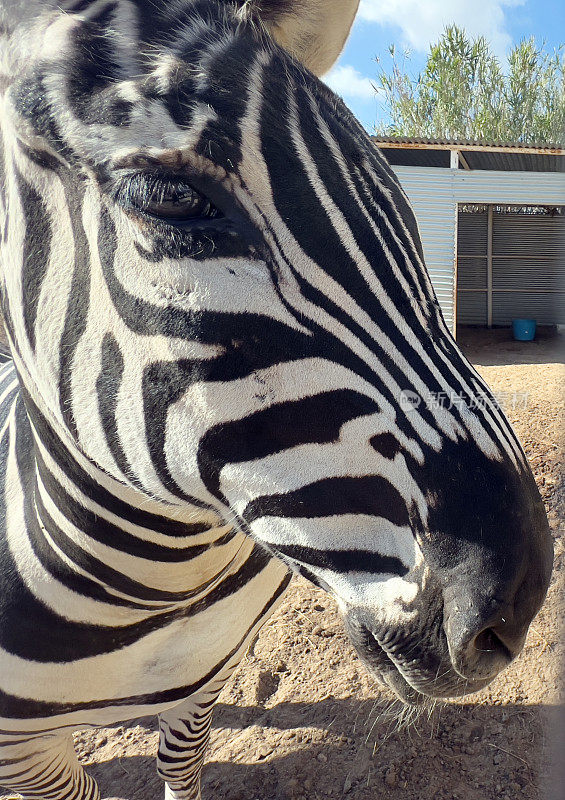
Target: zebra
column 216, row 302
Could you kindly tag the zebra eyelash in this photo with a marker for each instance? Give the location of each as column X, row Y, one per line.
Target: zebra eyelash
column 163, row 198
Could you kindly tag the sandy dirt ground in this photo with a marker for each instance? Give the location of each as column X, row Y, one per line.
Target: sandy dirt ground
column 301, row 720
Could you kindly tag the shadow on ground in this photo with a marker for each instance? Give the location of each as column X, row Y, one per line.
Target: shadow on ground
column 358, row 755
column 496, row 347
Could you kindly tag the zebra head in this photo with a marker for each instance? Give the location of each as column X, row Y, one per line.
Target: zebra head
column 215, row 292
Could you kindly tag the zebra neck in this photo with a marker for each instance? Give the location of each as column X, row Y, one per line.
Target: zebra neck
column 120, row 543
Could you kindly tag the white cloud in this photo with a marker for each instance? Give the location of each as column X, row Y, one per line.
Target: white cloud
column 422, row 21
column 346, row 81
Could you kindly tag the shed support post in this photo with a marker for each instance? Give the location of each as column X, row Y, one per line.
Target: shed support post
column 464, row 161
column 489, row 266
column 454, row 159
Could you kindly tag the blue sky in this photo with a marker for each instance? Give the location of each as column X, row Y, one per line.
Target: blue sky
column 414, row 24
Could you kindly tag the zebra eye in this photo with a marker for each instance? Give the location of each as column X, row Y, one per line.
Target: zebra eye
column 179, row 204
column 172, row 201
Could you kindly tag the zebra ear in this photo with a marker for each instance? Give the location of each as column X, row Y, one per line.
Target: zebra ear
column 314, row 31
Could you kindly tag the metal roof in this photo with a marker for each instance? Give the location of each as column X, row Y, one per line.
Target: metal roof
column 489, row 155
column 558, row 149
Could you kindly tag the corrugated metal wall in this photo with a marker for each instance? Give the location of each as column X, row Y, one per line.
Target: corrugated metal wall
column 435, row 194
column 472, row 272
column 431, row 192
column 528, row 268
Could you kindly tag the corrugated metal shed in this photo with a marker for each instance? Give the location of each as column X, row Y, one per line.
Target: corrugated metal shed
column 521, row 156
column 462, row 143
column 435, row 193
column 510, row 263
column 431, row 192
column 532, row 162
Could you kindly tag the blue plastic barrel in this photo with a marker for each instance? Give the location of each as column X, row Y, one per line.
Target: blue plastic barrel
column 524, row 330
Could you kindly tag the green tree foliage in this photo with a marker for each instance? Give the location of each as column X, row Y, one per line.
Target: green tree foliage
column 464, row 93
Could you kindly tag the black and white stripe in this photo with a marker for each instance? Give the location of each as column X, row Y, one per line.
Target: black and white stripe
column 197, row 405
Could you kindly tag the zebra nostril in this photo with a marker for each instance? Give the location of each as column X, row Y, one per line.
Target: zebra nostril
column 479, row 656
column 481, row 651
column 489, row 642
